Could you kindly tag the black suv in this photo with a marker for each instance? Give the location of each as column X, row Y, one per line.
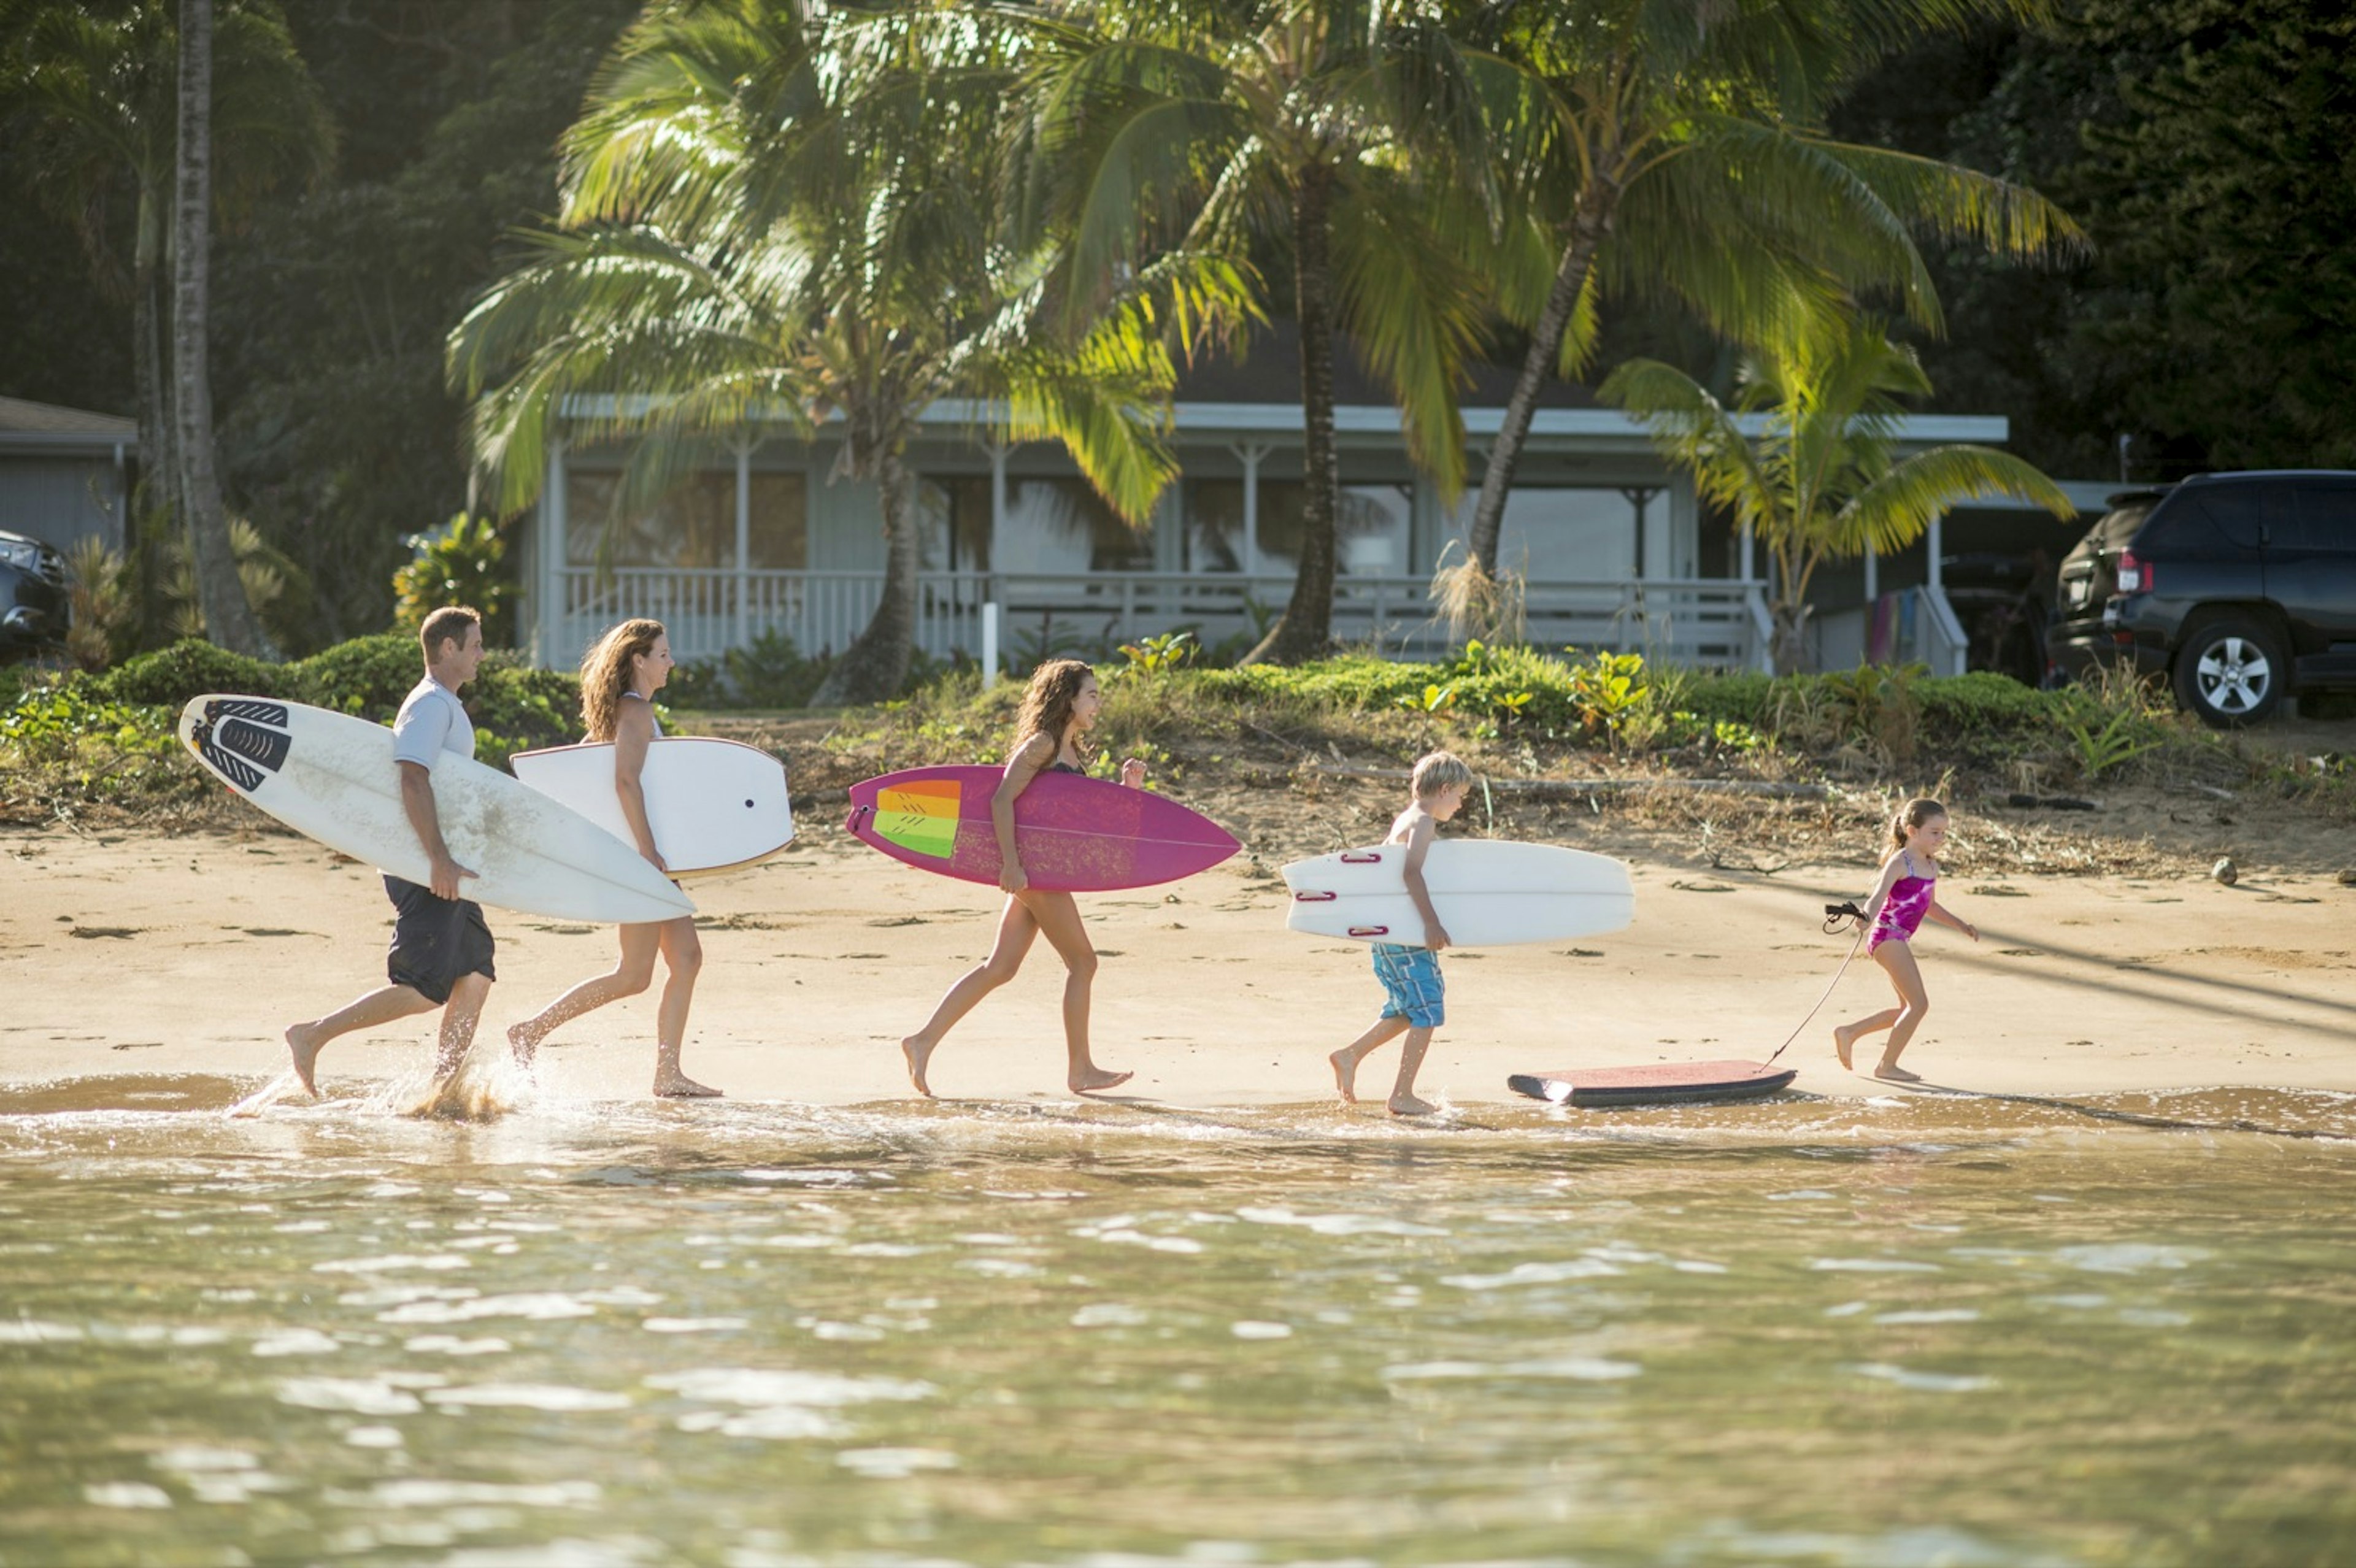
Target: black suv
column 2238, row 587
column 33, row 607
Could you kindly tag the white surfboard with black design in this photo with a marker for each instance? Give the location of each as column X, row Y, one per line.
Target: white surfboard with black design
column 333, row 778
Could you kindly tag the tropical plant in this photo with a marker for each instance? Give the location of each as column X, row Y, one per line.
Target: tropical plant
column 464, row 562
column 95, row 91
column 1674, row 159
column 275, row 590
column 1353, row 133
column 1607, row 691
column 1162, row 654
column 1805, row 456
column 790, row 213
column 103, row 600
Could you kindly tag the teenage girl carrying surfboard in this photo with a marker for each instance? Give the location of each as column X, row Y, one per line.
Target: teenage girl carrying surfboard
column 619, row 679
column 1051, row 733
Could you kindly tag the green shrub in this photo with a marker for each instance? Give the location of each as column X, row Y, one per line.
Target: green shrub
column 524, row 708
column 772, row 672
column 190, row 668
column 366, row 675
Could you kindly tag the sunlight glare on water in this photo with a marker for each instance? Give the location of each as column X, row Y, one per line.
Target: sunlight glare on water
column 1935, row 1332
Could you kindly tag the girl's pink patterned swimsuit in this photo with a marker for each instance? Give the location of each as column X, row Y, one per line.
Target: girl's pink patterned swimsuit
column 1902, row 911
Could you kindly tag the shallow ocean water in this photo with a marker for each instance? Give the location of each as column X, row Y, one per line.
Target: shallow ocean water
column 1912, row 1331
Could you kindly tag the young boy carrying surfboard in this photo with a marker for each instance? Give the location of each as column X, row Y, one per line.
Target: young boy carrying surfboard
column 1414, row 997
column 442, row 950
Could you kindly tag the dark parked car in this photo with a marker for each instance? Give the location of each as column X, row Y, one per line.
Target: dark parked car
column 2240, row 588
column 34, row 608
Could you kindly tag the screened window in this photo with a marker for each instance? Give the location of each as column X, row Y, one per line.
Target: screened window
column 1062, row 525
column 1563, row 534
column 953, row 522
column 1371, row 528
column 694, row 525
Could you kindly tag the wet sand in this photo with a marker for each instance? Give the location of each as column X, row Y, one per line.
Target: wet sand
column 136, row 955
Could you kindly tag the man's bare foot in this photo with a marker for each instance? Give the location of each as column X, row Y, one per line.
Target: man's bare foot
column 677, row 1086
column 303, row 1044
column 1409, row 1105
column 1345, row 1074
column 1844, row 1041
column 523, row 1045
column 1896, row 1074
column 919, row 1052
column 1095, row 1079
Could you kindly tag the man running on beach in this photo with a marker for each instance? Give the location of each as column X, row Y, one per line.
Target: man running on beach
column 442, row 949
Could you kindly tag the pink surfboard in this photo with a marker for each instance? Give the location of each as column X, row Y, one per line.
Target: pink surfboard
column 1075, row 835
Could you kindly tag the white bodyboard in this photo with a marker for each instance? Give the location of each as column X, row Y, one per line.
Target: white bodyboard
column 713, row 805
column 1488, row 892
column 332, row 777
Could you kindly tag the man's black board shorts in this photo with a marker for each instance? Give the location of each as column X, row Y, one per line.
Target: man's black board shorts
column 436, row 941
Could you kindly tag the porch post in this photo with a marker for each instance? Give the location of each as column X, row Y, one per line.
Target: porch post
column 1250, row 453
column 1746, row 553
column 1937, row 582
column 744, row 446
column 1872, row 573
column 555, row 530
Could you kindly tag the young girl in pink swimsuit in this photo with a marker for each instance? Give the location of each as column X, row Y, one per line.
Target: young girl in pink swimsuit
column 1900, row 903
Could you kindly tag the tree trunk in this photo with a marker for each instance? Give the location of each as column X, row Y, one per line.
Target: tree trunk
column 159, row 469
column 1589, row 224
column 874, row 666
column 229, row 619
column 1305, row 629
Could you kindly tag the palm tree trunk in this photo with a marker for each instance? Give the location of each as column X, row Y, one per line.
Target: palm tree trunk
column 229, row 619
column 874, row 666
column 1591, row 223
column 1305, row 629
column 160, row 478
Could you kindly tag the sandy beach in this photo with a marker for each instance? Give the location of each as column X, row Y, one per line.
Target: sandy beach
column 143, row 955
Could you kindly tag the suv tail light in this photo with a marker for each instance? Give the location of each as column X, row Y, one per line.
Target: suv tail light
column 2134, row 574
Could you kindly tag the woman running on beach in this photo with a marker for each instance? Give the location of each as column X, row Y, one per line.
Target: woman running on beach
column 618, row 681
column 1900, row 903
column 1051, row 733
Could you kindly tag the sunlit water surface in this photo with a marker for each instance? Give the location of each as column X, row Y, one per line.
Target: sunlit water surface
column 1924, row 1332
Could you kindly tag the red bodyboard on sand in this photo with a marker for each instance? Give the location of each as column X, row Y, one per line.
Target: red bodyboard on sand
column 1075, row 835
column 1660, row 1083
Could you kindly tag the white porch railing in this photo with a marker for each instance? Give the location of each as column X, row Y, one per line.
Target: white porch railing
column 1705, row 622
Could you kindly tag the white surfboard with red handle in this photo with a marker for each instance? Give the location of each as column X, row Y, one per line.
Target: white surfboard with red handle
column 1488, row 892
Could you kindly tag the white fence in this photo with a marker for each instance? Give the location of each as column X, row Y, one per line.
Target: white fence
column 1705, row 622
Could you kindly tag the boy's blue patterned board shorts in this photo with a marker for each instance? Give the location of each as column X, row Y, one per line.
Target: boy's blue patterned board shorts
column 1412, row 989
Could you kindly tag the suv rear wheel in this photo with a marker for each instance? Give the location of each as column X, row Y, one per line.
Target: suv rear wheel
column 2231, row 671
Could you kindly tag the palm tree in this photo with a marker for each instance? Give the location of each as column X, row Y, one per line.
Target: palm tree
column 1674, row 160
column 1804, row 458
column 95, row 92
column 229, row 619
column 1353, row 133
column 776, row 212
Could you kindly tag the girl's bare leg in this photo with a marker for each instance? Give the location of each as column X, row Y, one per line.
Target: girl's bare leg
column 1016, row 928
column 1897, row 958
column 633, row 973
column 1845, row 1037
column 682, row 954
column 1059, row 917
column 1345, row 1060
column 1403, row 1101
